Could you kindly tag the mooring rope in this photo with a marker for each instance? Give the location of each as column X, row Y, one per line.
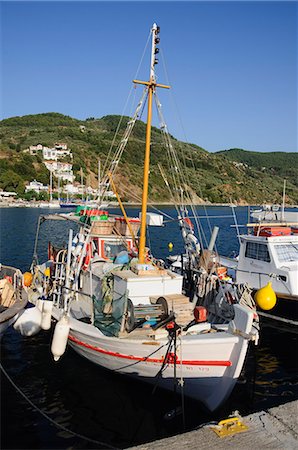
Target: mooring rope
column 56, row 424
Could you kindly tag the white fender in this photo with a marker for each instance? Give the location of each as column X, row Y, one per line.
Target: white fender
column 39, row 304
column 60, row 338
column 29, row 323
column 46, row 314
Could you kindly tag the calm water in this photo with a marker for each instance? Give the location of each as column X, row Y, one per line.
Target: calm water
column 106, row 407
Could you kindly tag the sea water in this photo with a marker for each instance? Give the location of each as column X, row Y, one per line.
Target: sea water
column 107, row 408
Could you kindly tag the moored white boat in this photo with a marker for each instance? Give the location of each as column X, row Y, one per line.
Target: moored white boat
column 120, row 308
column 263, row 258
column 207, row 363
column 269, row 253
column 13, row 297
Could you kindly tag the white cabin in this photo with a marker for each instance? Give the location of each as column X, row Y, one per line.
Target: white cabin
column 261, row 256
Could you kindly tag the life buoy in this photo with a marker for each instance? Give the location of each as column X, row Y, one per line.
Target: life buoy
column 87, row 258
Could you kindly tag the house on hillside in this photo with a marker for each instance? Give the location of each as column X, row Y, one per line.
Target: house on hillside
column 60, row 146
column 59, row 151
column 71, row 189
column 34, row 149
column 6, row 194
column 61, row 170
column 36, row 186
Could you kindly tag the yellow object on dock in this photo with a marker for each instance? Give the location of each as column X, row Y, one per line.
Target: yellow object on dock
column 229, row 426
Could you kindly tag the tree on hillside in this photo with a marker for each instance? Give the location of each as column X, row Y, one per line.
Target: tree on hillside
column 10, row 181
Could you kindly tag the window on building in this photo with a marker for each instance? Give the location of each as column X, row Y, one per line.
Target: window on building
column 286, row 252
column 257, row 251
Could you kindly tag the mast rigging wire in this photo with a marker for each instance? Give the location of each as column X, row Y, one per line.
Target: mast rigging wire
column 126, row 103
column 191, row 158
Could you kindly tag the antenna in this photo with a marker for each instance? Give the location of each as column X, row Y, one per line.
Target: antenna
column 154, row 50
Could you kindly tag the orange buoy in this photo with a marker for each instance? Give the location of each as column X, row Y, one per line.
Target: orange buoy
column 27, row 279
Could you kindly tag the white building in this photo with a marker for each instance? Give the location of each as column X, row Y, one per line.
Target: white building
column 57, row 152
column 36, row 186
column 49, row 154
column 71, row 189
column 61, row 170
column 52, row 154
column 34, row 149
column 60, row 146
column 7, row 194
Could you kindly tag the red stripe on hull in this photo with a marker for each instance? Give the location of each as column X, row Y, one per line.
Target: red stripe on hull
column 153, row 360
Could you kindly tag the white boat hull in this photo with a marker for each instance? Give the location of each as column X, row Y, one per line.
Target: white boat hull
column 209, row 366
column 13, row 297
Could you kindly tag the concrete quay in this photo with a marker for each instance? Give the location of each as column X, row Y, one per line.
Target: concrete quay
column 275, row 428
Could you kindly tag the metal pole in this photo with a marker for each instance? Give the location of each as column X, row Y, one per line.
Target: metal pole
column 213, row 238
column 283, row 202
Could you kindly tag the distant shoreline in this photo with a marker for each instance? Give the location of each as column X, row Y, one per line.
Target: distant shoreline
column 28, row 204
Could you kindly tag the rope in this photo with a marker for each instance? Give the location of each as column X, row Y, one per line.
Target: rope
column 129, row 95
column 270, row 275
column 35, row 257
column 199, row 217
column 191, row 158
column 53, row 422
column 164, row 363
column 144, row 360
column 136, row 197
column 181, row 383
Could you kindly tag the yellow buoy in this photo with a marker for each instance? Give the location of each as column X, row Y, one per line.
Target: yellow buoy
column 170, row 246
column 265, row 297
column 27, row 279
column 47, row 272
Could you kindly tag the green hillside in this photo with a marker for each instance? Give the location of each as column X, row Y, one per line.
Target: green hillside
column 214, row 177
column 280, row 164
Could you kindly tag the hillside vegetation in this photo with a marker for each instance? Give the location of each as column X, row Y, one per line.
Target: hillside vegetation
column 233, row 175
column 282, row 164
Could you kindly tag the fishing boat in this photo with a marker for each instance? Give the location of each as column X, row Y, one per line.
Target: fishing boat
column 13, row 297
column 121, row 308
column 68, row 204
column 268, row 252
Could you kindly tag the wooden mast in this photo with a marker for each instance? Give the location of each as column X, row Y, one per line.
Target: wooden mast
column 151, row 88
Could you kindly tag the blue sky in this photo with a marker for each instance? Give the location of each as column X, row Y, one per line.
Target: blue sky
column 232, row 65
